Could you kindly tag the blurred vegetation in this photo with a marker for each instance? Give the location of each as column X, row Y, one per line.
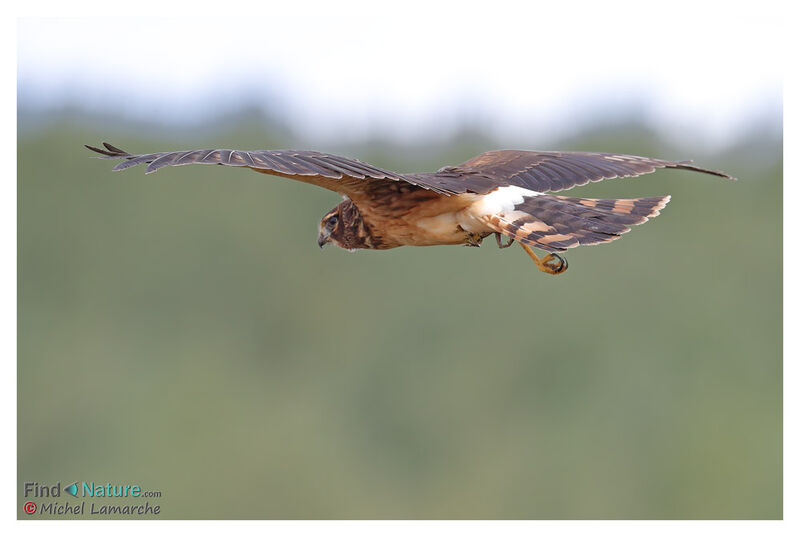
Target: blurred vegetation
column 182, row 331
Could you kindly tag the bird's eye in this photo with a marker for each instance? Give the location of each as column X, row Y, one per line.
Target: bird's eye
column 333, row 220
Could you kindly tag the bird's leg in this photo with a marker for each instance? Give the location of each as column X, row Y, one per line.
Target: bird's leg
column 499, row 239
column 545, row 264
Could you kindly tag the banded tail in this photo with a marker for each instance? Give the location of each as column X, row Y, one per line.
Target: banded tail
column 556, row 223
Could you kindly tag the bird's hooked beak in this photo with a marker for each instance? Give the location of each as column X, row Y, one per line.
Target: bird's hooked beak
column 324, row 237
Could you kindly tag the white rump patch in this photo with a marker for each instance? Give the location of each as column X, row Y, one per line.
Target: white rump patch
column 500, row 201
column 452, row 225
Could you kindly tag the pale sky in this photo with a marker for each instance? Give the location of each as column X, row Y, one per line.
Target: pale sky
column 694, row 74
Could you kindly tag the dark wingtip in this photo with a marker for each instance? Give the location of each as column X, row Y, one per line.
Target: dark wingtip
column 687, row 165
column 109, row 151
column 114, row 149
column 93, row 148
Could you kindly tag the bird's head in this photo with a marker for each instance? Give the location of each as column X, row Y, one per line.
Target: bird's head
column 344, row 227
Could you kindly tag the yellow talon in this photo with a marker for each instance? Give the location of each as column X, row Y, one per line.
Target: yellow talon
column 546, row 264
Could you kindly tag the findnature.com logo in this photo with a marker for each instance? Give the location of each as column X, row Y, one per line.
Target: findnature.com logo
column 92, row 498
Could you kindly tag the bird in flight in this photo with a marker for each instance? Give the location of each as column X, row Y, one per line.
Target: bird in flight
column 501, row 193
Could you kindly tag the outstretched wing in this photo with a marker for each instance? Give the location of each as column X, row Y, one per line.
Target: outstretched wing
column 546, row 171
column 540, row 171
column 344, row 175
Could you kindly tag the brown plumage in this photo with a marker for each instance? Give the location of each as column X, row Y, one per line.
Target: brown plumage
column 500, row 192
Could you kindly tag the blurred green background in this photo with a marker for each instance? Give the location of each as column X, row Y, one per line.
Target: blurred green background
column 182, row 331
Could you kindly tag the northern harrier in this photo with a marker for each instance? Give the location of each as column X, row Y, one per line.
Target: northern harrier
column 499, row 192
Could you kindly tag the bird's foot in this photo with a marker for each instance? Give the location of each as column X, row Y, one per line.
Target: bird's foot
column 473, row 239
column 555, row 263
column 551, row 263
column 499, row 239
